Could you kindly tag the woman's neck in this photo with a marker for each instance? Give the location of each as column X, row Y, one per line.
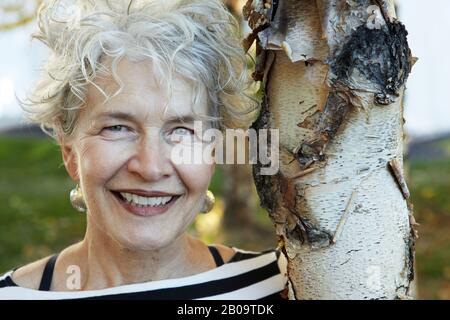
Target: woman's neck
column 104, row 263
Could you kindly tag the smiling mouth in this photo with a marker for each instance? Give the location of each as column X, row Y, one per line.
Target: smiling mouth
column 145, row 206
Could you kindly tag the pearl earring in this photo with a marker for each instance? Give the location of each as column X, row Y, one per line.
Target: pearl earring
column 77, row 200
column 209, row 202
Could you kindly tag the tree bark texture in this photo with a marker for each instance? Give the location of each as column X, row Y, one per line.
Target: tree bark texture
column 333, row 74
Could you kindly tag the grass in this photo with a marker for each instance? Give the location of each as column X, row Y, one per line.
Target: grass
column 36, row 218
column 430, row 189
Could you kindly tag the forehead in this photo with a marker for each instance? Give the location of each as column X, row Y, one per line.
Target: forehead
column 142, row 91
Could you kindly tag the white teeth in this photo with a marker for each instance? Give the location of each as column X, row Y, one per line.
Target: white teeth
column 145, row 201
column 127, row 196
column 153, row 201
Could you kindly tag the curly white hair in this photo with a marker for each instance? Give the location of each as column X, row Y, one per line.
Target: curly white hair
column 198, row 39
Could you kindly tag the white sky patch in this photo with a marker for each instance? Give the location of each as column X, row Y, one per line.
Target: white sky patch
column 20, row 60
column 427, row 107
column 6, row 94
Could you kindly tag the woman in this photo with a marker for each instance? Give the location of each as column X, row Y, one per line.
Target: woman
column 125, row 85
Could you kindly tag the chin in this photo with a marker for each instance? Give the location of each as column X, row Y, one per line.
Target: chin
column 138, row 241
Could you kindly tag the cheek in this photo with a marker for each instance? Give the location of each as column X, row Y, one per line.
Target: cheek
column 196, row 177
column 100, row 160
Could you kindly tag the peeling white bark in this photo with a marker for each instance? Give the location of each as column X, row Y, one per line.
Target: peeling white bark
column 374, row 238
column 297, row 24
column 359, row 241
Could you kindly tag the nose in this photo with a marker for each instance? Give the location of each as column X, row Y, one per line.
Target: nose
column 149, row 160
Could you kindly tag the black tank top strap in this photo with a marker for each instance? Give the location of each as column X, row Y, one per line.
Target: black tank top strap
column 216, row 255
column 47, row 275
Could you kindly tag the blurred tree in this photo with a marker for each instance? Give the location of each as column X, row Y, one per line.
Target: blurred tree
column 333, row 74
column 239, row 197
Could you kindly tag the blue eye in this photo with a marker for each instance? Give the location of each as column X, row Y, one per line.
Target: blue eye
column 116, row 128
column 117, row 131
column 182, row 131
column 180, row 134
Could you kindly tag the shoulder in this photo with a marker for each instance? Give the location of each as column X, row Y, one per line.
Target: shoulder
column 29, row 276
column 226, row 252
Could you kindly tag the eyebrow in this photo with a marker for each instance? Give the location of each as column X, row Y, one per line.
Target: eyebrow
column 129, row 117
column 115, row 115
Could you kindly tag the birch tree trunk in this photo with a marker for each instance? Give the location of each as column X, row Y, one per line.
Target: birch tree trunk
column 333, row 75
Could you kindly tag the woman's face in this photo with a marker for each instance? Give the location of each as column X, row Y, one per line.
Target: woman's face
column 121, row 155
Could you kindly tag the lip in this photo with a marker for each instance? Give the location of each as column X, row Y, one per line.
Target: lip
column 145, row 193
column 146, row 211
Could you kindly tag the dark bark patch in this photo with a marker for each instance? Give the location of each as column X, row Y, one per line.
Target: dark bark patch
column 334, row 113
column 404, row 291
column 411, row 247
column 265, row 184
column 306, row 232
column 410, row 256
column 330, row 120
column 381, row 55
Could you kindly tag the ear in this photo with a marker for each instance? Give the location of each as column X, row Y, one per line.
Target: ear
column 70, row 161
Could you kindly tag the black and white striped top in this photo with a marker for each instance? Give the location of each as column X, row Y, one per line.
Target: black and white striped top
column 247, row 276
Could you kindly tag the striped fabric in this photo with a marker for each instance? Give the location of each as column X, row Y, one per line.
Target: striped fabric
column 247, row 276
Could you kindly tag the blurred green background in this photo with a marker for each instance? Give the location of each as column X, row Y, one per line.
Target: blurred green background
column 37, row 219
